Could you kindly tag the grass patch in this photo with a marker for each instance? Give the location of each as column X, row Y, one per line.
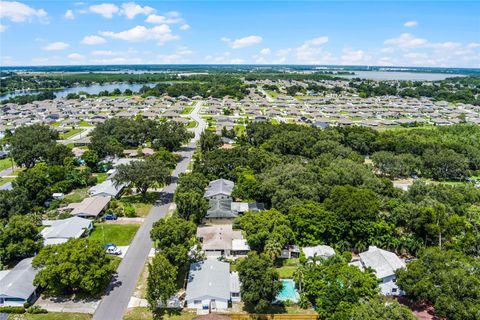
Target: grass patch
column 70, row 133
column 142, row 204
column 76, row 195
column 52, row 316
column 101, row 177
column 6, row 180
column 5, row 163
column 286, row 268
column 192, row 124
column 120, row 234
column 141, row 313
column 187, row 110
column 84, row 123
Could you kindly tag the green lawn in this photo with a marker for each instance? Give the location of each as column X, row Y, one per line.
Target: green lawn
column 142, row 204
column 192, row 124
column 286, row 267
column 140, row 313
column 84, row 123
column 52, row 316
column 187, row 110
column 70, row 133
column 102, row 176
column 5, row 163
column 120, row 234
column 76, row 195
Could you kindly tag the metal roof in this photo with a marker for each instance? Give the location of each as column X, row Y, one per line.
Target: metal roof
column 18, row 283
column 220, row 209
column 385, row 263
column 65, row 229
column 220, row 186
column 209, row 278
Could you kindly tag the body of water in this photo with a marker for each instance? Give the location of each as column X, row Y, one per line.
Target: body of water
column 395, row 75
column 93, row 89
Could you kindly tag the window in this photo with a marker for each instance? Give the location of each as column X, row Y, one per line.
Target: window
column 235, row 294
column 197, row 301
column 394, row 290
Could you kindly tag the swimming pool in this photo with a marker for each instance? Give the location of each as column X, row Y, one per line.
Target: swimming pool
column 288, row 291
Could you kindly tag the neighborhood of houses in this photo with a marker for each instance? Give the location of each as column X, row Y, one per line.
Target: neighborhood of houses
column 210, row 284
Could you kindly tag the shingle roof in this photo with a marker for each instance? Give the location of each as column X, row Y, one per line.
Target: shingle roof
column 220, row 186
column 89, row 207
column 322, row 251
column 65, row 229
column 107, row 187
column 18, row 283
column 385, row 263
column 209, row 278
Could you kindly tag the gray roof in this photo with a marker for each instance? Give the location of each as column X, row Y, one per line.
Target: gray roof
column 209, row 278
column 64, row 229
column 18, row 283
column 385, row 263
column 220, row 209
column 106, row 188
column 89, row 207
column 321, row 251
column 220, row 186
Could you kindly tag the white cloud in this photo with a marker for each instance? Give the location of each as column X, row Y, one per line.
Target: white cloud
column 184, row 27
column 265, row 51
column 56, row 46
column 19, row 12
column 410, row 24
column 387, row 50
column 75, row 56
column 406, row 40
column 161, row 33
column 444, row 45
column 473, row 45
column 104, row 53
column 355, row 57
column 3, row 28
column 131, row 9
column 311, row 52
column 106, row 10
column 69, row 15
column 168, row 18
column 93, row 40
column 243, row 42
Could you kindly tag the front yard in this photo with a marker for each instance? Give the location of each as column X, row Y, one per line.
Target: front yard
column 51, row 316
column 141, row 313
column 120, row 234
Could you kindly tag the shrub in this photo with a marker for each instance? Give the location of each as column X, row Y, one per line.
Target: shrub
column 36, row 310
column 15, row 310
column 129, row 211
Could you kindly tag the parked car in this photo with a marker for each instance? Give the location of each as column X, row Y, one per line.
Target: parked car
column 111, row 216
column 114, row 250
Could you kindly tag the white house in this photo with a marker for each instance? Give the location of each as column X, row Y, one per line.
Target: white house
column 60, row 231
column 320, row 251
column 384, row 263
column 220, row 189
column 210, row 285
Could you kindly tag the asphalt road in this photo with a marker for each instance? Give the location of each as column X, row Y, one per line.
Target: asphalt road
column 120, row 290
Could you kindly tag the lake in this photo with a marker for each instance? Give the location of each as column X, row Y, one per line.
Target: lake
column 395, row 75
column 93, row 89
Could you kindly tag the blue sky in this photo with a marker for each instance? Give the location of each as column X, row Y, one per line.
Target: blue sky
column 406, row 33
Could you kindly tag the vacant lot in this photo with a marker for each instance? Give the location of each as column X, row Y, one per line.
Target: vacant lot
column 120, row 234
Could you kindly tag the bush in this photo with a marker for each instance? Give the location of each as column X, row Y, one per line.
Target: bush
column 129, row 211
column 36, row 310
column 15, row 310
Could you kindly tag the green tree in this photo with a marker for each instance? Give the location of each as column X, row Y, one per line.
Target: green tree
column 209, row 141
column 161, row 281
column 333, row 287
column 448, row 279
column 445, row 164
column 19, row 238
column 191, row 205
column 76, row 266
column 174, row 237
column 143, row 174
column 260, row 283
column 32, row 143
column 91, row 158
column 381, row 309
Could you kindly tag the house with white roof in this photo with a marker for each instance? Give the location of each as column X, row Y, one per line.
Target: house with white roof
column 319, row 251
column 384, row 264
column 107, row 188
column 60, row 231
column 210, row 285
column 16, row 286
column 220, row 189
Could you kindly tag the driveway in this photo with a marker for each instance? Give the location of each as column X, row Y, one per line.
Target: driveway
column 120, row 290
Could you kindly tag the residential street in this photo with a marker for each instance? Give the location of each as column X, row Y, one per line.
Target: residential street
column 115, row 302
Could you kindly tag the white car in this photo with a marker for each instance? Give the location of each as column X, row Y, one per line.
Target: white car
column 114, row 250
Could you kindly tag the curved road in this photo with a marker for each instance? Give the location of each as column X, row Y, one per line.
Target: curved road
column 120, row 290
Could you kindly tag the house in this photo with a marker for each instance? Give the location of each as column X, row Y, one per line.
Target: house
column 289, row 252
column 220, row 211
column 320, row 251
column 384, row 264
column 210, row 285
column 219, row 189
column 16, row 287
column 107, row 189
column 60, row 231
column 222, row 240
column 89, row 207
column 242, row 207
